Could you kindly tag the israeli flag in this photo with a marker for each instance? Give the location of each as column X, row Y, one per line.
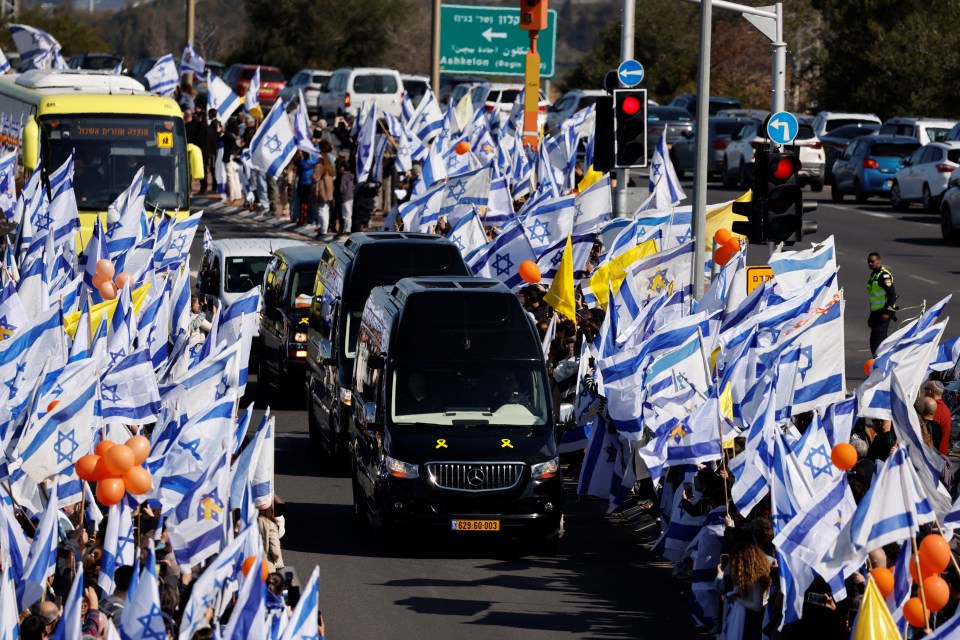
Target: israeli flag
column 273, row 145
column 221, row 97
column 125, row 216
column 35, row 45
column 607, row 465
column 179, row 240
column 4, row 68
column 465, row 192
column 162, row 77
column 815, row 528
column 366, row 146
column 793, row 269
column 468, row 234
column 249, row 616
column 190, row 60
column 142, row 616
column 303, row 622
column 434, row 171
column 238, row 323
column 422, row 212
column 197, row 524
column 128, row 391
column 501, row 258
column 180, row 301
column 8, row 182
column 549, row 222
column 813, row 452
column 427, row 120
column 549, row 259
column 664, row 183
column 9, row 622
column 301, row 127
column 43, row 555
column 245, row 467
column 12, row 314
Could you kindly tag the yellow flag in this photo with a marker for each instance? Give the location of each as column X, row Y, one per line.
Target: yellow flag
column 614, row 271
column 590, row 177
column 723, row 217
column 874, row 621
column 107, row 307
column 562, row 295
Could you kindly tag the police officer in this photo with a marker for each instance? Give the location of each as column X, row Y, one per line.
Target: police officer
column 883, row 301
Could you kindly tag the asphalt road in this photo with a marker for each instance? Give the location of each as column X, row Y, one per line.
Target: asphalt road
column 603, row 584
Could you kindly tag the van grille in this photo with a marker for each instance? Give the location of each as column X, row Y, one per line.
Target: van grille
column 475, row 476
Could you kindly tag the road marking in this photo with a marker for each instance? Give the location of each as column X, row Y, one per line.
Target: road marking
column 873, row 214
column 922, row 279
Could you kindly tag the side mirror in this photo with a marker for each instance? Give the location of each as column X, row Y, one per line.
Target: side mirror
column 367, row 415
column 326, row 351
column 30, row 144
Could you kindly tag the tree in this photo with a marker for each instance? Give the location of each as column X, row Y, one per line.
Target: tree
column 74, row 30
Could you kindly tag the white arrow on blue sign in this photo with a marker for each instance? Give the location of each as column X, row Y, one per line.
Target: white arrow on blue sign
column 782, row 127
column 630, row 73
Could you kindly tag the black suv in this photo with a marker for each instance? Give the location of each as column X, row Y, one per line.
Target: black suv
column 688, row 101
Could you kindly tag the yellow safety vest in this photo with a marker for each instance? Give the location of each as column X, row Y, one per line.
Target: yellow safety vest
column 876, row 293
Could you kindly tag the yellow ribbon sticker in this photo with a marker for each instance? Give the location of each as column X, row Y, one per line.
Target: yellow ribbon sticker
column 441, row 443
column 505, row 443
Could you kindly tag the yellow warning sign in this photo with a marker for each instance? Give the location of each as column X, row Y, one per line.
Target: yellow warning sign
column 756, row 276
column 165, row 140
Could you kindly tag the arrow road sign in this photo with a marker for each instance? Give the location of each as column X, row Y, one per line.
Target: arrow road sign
column 630, row 73
column 490, row 34
column 782, row 127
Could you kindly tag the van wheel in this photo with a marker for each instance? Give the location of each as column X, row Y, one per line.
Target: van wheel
column 835, row 194
column 548, row 545
column 817, row 185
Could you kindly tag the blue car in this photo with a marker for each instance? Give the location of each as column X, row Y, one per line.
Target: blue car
column 868, row 165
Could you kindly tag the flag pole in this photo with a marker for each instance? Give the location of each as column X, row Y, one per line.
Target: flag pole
column 923, row 595
column 16, row 504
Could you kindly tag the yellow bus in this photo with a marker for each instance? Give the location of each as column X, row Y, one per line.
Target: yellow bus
column 112, row 125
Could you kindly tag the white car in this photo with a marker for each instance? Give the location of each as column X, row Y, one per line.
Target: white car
column 950, row 209
column 925, row 175
column 311, row 82
column 827, row 121
column 415, row 87
column 499, row 97
column 812, row 159
column 348, row 89
column 923, row 130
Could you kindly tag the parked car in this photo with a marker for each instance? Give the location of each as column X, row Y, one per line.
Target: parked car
column 272, row 81
column 461, row 90
column 415, row 87
column 349, row 88
column 835, row 143
column 827, row 121
column 719, row 130
column 924, row 175
column 868, row 165
column 950, row 209
column 737, row 167
column 311, row 82
column 499, row 97
column 139, row 70
column 677, row 122
column 688, row 101
column 812, row 161
column 571, row 102
column 759, row 114
column 95, row 61
column 216, row 67
column 924, row 130
column 449, row 83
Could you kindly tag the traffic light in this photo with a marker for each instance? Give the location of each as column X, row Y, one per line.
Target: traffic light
column 533, row 15
column 630, row 128
column 784, row 199
column 603, row 135
column 755, row 226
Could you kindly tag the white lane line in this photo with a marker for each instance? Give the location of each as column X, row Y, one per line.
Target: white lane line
column 922, row 279
column 874, row 214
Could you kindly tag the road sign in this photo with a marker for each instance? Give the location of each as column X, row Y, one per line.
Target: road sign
column 782, row 127
column 489, row 41
column 630, row 73
column 756, row 276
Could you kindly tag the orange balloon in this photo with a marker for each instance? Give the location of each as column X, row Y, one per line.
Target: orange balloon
column 108, row 290
column 462, row 147
column 105, row 269
column 119, row 458
column 100, row 471
column 844, row 456
column 937, row 593
column 103, row 447
column 733, row 244
column 935, row 552
column 52, row 405
column 913, row 612
column 884, row 579
column 722, row 235
column 123, row 279
column 110, row 491
column 722, row 255
column 85, row 466
column 868, row 366
column 140, row 447
column 925, row 569
column 529, row 271
column 248, row 563
column 137, row 480
column 98, row 280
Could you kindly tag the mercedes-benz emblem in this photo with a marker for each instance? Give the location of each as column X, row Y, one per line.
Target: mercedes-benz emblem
column 475, row 478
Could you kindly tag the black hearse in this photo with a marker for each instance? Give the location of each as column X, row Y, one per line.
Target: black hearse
column 451, row 414
column 345, row 276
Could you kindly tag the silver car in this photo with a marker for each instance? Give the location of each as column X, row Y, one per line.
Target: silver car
column 720, row 129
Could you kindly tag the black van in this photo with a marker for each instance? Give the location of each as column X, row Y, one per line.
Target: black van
column 452, row 415
column 345, row 276
column 287, row 294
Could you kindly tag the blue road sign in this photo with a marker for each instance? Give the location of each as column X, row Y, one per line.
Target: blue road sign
column 782, row 127
column 630, row 73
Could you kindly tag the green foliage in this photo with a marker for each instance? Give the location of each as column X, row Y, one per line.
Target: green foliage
column 75, row 31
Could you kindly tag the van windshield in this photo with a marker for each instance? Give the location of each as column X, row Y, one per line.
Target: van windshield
column 478, row 393
column 244, row 273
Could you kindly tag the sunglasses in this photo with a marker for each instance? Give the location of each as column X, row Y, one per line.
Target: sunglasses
column 871, row 261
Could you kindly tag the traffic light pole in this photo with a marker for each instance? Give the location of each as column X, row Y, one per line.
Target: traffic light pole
column 699, row 217
column 626, row 53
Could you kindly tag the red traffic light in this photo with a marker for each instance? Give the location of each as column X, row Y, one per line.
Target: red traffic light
column 784, row 167
column 631, row 105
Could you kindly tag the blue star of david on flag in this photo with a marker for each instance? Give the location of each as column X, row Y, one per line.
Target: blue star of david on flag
column 458, row 189
column 556, row 259
column 109, row 392
column 123, row 541
column 63, row 454
column 150, row 630
column 825, row 465
column 4, row 324
column 42, row 221
column 115, row 356
column 687, row 234
column 12, row 382
column 151, row 338
column 503, row 264
column 273, row 143
column 806, row 359
column 452, row 162
column 458, row 242
column 655, row 170
column 191, row 446
column 539, row 231
column 222, row 387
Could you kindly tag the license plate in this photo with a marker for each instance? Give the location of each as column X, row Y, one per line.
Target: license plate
column 475, row 525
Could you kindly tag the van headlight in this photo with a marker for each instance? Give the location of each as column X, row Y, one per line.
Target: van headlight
column 300, row 336
column 400, row 469
column 545, row 470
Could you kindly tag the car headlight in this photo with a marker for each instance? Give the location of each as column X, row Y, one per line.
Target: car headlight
column 300, row 336
column 346, row 396
column 400, row 469
column 545, row 470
